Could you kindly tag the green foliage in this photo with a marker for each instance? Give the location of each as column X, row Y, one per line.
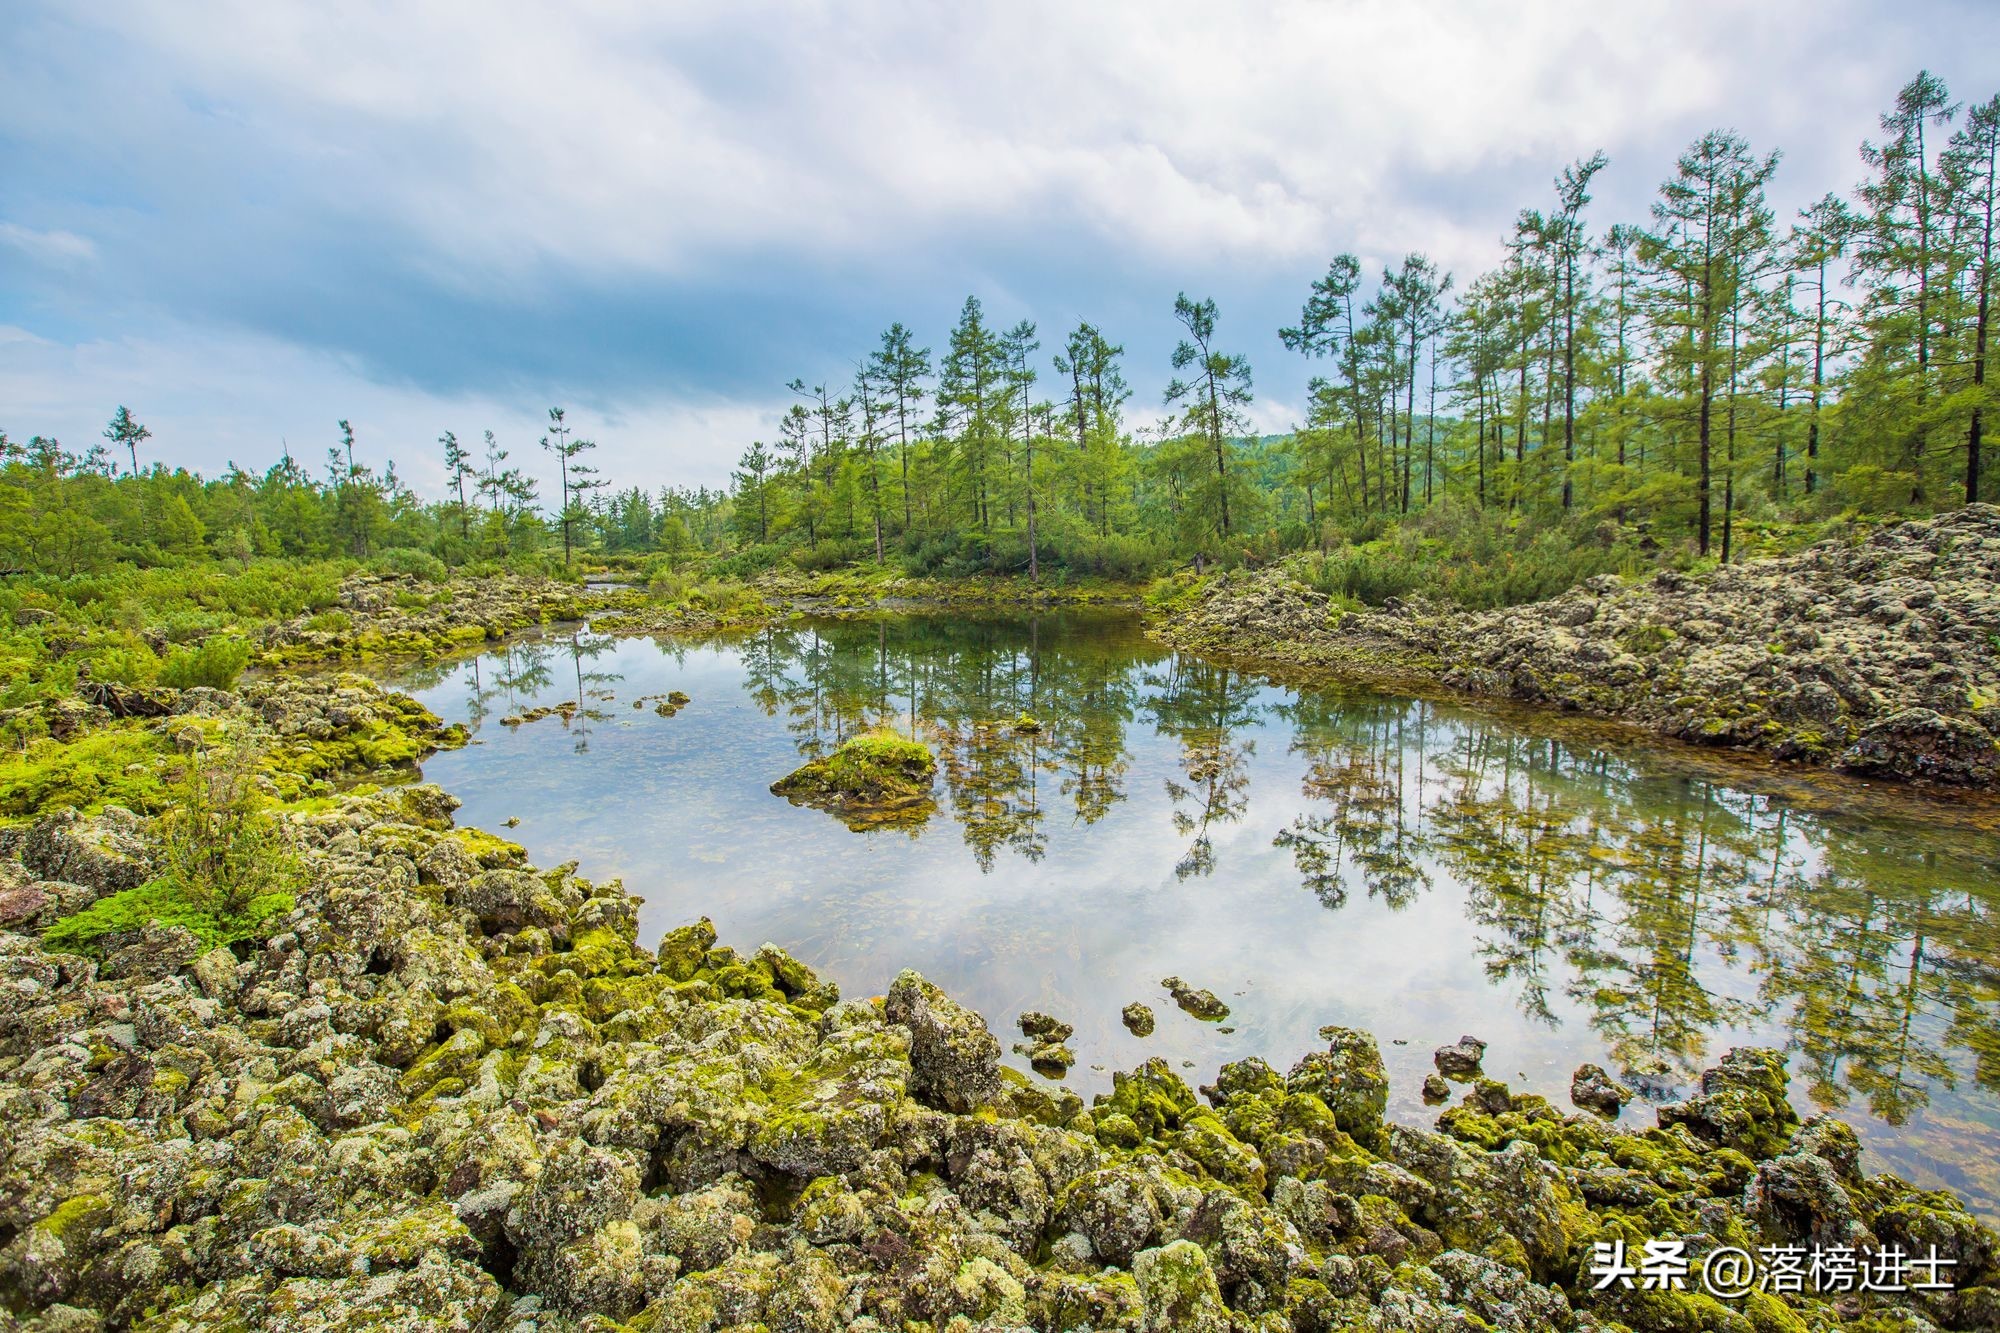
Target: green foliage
column 215, row 663
column 410, row 561
column 1457, row 555
column 225, row 873
column 116, row 765
column 165, row 902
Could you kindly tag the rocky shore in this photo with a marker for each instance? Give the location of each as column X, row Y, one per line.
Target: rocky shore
column 453, row 1090
column 1879, row 657
column 398, row 615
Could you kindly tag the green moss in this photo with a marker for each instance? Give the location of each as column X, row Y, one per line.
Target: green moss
column 118, row 765
column 873, row 777
column 166, row 903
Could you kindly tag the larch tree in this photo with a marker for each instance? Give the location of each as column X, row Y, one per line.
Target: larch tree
column 900, row 367
column 1708, row 223
column 1972, row 159
column 1573, row 189
column 1215, row 397
column 1899, row 251
column 125, row 433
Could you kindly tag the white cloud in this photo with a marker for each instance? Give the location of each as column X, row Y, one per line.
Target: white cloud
column 56, row 248
column 625, row 135
column 500, row 148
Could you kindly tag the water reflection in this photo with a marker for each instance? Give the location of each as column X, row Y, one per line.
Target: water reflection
column 1111, row 813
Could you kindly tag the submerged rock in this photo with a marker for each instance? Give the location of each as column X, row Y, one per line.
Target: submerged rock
column 1201, row 1003
column 872, row 780
column 1138, row 1019
column 1042, row 1027
column 1044, row 1049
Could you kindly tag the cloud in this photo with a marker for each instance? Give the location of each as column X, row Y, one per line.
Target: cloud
column 57, row 248
column 669, row 209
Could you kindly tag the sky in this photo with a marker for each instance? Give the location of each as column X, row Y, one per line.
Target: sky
column 249, row 220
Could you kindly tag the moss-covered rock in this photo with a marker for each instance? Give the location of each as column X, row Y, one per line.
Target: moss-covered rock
column 874, row 779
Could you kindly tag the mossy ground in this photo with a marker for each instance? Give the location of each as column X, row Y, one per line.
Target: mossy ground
column 165, row 903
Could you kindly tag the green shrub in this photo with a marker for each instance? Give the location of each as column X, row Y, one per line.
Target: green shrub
column 225, row 874
column 411, row 561
column 215, row 662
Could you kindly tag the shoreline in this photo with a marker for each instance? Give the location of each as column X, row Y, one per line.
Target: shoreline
column 454, row 1086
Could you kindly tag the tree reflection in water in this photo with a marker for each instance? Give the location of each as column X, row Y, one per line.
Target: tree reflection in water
column 1665, row 914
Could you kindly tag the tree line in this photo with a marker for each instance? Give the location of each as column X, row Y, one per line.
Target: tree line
column 69, row 513
column 1669, row 382
column 1673, row 374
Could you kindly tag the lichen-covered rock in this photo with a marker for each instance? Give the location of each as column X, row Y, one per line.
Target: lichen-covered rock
column 954, row 1058
column 1179, row 1290
column 1201, row 1003
column 1138, row 1019
column 1741, row 1104
column 871, row 780
column 1349, row 1078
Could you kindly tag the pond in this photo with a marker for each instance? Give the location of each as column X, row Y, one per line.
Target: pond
column 1311, row 856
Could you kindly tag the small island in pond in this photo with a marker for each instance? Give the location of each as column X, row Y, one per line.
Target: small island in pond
column 874, row 780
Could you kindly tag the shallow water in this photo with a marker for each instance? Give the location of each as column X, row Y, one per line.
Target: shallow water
column 1311, row 856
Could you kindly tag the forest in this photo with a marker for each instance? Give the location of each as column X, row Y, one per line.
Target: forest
column 1704, row 384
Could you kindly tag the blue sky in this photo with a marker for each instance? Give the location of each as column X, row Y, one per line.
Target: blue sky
column 247, row 220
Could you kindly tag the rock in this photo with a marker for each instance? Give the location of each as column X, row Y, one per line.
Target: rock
column 1349, row 1078
column 1138, row 1019
column 683, row 950
column 22, row 904
column 1460, row 1059
column 1436, row 1089
column 1050, row 1059
column 1044, row 1028
column 1202, row 1004
column 1798, row 1198
column 1593, row 1089
column 872, row 780
column 1742, row 1104
column 1920, row 744
column 954, row 1059
column 794, row 979
column 1179, row 1290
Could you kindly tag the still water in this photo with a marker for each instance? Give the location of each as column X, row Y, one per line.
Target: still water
column 1311, row 856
